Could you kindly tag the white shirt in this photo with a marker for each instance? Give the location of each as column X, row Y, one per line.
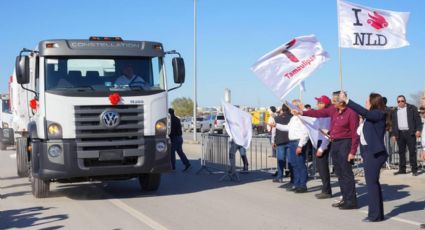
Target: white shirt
column 361, row 134
column 402, row 118
column 296, row 130
column 270, row 121
column 135, row 80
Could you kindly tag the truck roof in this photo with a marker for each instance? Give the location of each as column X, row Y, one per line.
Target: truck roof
column 85, row 47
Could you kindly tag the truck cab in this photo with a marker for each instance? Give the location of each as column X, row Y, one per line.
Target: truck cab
column 97, row 110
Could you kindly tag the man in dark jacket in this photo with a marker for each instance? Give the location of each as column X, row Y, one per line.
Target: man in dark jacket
column 177, row 141
column 406, row 127
column 280, row 143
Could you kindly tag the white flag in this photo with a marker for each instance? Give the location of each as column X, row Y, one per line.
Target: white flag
column 362, row 27
column 238, row 124
column 317, row 128
column 287, row 66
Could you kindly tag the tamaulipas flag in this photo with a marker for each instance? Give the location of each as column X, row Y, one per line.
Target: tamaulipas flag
column 317, row 128
column 237, row 124
column 287, row 66
column 362, row 27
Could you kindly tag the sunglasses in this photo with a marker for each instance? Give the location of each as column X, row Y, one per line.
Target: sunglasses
column 401, row 101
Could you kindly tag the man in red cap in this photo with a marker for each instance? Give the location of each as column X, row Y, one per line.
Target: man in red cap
column 343, row 134
column 322, row 155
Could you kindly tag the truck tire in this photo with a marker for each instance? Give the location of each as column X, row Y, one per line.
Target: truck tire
column 40, row 188
column 22, row 163
column 149, row 182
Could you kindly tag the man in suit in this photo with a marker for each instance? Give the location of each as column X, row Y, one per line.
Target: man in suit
column 406, row 127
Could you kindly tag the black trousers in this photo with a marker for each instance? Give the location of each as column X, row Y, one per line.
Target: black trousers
column 405, row 139
column 322, row 164
column 372, row 167
column 343, row 169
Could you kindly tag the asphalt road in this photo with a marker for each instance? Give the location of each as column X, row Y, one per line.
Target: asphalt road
column 191, row 201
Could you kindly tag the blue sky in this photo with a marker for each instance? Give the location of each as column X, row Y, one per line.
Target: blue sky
column 232, row 35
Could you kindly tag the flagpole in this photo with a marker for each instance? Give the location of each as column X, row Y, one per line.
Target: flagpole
column 339, row 47
column 301, row 94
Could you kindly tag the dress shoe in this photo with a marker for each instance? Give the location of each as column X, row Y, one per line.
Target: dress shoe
column 367, row 220
column 300, row 190
column 187, row 167
column 348, row 206
column 290, row 189
column 414, row 173
column 323, row 196
column 338, row 204
column 400, row 172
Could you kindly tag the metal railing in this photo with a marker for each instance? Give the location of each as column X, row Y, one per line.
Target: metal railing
column 215, row 154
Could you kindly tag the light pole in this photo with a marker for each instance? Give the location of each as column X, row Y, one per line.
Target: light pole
column 194, row 72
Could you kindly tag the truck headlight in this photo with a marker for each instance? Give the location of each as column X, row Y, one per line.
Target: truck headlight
column 54, row 131
column 161, row 127
column 54, row 151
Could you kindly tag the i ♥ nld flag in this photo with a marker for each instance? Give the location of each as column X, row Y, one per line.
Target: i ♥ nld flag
column 287, row 66
column 367, row 28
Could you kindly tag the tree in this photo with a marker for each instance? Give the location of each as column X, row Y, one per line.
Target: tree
column 182, row 106
column 416, row 98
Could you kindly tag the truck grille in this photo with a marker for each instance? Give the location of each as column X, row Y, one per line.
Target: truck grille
column 92, row 137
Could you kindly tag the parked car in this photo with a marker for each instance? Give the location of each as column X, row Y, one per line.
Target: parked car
column 200, row 127
column 186, row 124
column 218, row 124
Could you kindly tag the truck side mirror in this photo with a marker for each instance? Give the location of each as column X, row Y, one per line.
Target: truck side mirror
column 178, row 70
column 22, row 69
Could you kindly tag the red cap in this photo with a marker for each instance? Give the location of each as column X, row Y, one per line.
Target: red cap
column 324, row 99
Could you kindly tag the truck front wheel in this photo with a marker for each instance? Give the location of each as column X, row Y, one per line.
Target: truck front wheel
column 22, row 163
column 149, row 182
column 40, row 188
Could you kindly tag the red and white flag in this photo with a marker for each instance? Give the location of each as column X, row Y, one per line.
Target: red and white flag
column 287, row 66
column 362, row 27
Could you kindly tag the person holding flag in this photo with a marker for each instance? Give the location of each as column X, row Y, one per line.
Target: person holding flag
column 239, row 128
column 298, row 138
column 344, row 138
column 322, row 155
column 372, row 150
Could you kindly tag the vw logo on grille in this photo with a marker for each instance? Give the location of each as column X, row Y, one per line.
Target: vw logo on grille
column 110, row 118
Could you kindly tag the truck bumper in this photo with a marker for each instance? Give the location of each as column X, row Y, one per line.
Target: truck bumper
column 69, row 165
column 6, row 136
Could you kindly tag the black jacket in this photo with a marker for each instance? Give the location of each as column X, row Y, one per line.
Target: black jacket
column 373, row 127
column 281, row 137
column 413, row 120
column 176, row 127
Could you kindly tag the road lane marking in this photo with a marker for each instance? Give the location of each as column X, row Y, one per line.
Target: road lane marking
column 138, row 215
column 13, row 156
column 398, row 219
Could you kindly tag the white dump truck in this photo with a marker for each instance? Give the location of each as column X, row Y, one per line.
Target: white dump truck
column 6, row 131
column 93, row 109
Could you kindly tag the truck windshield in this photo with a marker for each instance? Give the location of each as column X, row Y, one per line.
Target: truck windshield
column 103, row 74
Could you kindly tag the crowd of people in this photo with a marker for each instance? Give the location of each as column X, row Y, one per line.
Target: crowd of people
column 352, row 127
